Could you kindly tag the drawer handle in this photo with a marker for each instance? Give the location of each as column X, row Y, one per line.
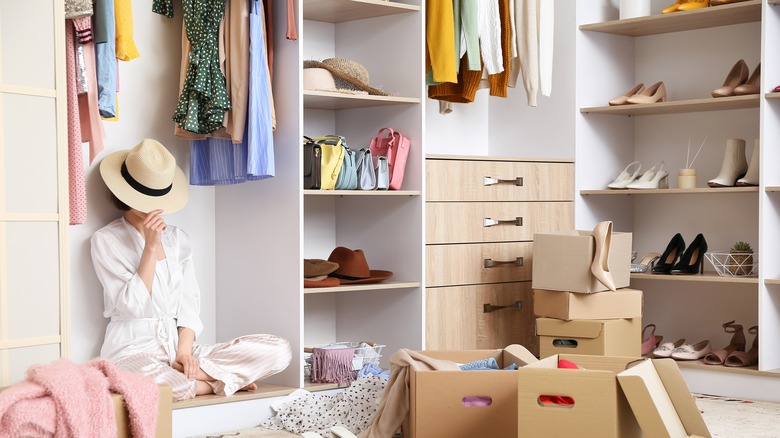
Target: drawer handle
column 489, row 222
column 490, row 181
column 487, row 308
column 490, row 263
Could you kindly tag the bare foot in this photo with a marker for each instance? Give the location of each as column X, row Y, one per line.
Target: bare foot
column 250, row 387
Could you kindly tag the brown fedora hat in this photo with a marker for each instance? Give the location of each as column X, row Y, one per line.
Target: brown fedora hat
column 353, row 267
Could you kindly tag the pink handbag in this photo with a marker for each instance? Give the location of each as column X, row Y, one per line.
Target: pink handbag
column 395, row 146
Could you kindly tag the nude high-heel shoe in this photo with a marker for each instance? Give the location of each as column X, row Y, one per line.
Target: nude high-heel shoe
column 737, row 343
column 654, row 93
column 602, row 233
column 753, row 84
column 751, row 177
column 623, row 99
column 736, row 77
column 734, row 166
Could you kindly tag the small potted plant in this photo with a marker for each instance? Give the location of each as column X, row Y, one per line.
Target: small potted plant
column 740, row 260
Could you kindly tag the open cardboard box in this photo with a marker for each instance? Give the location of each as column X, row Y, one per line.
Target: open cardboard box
column 622, row 303
column 562, row 261
column 603, row 337
column 442, row 403
column 661, row 401
column 599, row 409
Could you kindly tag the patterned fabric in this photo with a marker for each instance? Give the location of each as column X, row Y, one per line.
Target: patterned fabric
column 76, row 181
column 164, row 7
column 352, row 408
column 203, row 99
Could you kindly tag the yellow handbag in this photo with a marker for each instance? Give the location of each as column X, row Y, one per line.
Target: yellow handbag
column 332, row 160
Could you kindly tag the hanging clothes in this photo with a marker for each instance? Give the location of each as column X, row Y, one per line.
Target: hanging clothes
column 77, row 192
column 125, row 45
column 440, row 58
column 217, row 161
column 105, row 57
column 497, row 82
column 89, row 115
column 203, row 99
column 527, row 42
column 546, row 33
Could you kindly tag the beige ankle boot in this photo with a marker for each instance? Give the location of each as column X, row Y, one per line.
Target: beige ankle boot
column 751, row 177
column 734, row 166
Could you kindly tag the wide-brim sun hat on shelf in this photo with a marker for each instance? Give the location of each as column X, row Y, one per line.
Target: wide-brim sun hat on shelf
column 339, row 75
column 353, row 267
column 315, row 273
column 146, row 178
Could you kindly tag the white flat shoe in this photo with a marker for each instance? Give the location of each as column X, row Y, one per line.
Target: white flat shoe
column 666, row 349
column 692, row 352
column 626, row 176
column 655, row 178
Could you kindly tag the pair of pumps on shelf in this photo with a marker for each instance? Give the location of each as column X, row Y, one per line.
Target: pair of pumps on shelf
column 732, row 355
column 654, row 178
column 690, row 5
column 677, row 259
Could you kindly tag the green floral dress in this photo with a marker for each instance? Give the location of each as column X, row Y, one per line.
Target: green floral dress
column 203, row 100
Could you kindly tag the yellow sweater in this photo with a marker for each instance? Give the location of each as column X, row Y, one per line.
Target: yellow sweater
column 440, row 51
column 125, row 46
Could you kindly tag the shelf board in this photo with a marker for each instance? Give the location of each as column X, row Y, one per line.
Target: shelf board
column 697, row 191
column 678, row 106
column 309, row 386
column 707, row 277
column 337, row 11
column 751, row 370
column 774, row 281
column 263, row 391
column 773, row 95
column 743, row 12
column 328, row 100
column 309, row 192
column 772, row 188
column 385, row 285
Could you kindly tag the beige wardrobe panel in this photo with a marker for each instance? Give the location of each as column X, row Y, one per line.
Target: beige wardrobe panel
column 33, row 280
column 21, row 359
column 466, row 222
column 474, row 317
column 27, row 44
column 451, row 180
column 30, row 162
column 448, row 265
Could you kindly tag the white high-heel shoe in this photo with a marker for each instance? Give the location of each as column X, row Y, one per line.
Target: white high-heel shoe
column 655, row 178
column 626, row 176
column 735, row 164
column 751, row 177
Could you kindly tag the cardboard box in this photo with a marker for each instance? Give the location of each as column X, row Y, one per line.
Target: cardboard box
column 661, row 401
column 601, row 337
column 623, row 303
column 438, row 400
column 599, row 409
column 562, row 261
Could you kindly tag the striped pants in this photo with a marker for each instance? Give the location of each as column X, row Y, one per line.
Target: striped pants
column 233, row 364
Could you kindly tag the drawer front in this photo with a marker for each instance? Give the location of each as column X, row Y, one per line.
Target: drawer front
column 467, row 222
column 480, row 317
column 452, row 265
column 454, row 180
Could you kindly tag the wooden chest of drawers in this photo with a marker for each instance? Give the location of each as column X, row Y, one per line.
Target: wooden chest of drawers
column 481, row 216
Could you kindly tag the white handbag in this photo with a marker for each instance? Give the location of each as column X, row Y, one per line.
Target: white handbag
column 382, row 173
column 366, row 174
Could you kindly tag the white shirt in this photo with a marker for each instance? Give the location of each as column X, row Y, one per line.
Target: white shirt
column 140, row 321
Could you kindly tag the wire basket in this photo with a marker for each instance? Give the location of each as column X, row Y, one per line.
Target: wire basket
column 365, row 354
column 733, row 264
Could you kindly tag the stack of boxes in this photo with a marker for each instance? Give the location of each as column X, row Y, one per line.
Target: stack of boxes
column 576, row 313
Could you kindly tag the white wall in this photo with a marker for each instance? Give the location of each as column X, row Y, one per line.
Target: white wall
column 147, row 99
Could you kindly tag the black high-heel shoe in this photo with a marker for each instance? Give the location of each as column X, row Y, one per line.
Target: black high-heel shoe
column 692, row 261
column 672, row 252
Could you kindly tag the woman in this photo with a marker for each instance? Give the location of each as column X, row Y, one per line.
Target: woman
column 150, row 291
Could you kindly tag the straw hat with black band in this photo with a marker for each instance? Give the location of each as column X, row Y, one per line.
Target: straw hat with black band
column 146, row 178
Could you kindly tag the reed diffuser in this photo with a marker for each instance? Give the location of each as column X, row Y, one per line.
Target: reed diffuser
column 686, row 179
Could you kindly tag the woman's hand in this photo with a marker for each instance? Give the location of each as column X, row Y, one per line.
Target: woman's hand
column 152, row 228
column 187, row 364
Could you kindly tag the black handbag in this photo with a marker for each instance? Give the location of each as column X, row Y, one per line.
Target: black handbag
column 312, row 154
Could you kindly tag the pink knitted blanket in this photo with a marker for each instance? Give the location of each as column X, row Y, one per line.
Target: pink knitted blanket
column 332, row 365
column 63, row 399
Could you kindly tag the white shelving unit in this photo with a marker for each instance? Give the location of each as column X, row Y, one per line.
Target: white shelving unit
column 692, row 53
column 386, row 37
